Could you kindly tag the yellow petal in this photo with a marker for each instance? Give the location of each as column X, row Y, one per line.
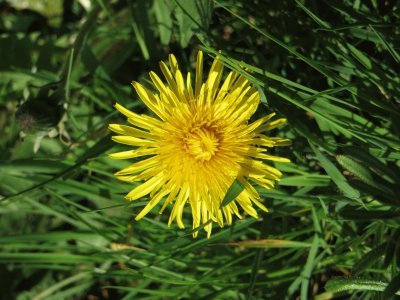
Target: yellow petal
column 281, row 141
column 127, row 130
column 125, row 111
column 134, row 153
column 153, row 202
column 271, row 157
column 144, row 188
column 132, row 141
column 265, row 183
column 271, row 125
column 199, row 73
column 149, row 99
column 139, row 166
column 168, row 75
column 259, row 204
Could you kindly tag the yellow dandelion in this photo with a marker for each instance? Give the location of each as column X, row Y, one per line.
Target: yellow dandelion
column 197, row 145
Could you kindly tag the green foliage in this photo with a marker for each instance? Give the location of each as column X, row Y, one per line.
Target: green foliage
column 330, row 67
column 234, row 190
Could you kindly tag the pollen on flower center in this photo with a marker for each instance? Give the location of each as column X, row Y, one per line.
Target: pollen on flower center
column 201, row 144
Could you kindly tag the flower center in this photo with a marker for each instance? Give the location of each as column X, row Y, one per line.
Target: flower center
column 202, row 144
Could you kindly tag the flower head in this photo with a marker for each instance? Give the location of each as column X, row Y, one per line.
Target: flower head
column 197, row 144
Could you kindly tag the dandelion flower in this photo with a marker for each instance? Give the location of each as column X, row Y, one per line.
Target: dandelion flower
column 198, row 143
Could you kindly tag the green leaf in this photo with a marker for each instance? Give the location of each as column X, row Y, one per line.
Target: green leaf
column 193, row 18
column 351, row 213
column 361, row 57
column 351, row 283
column 254, row 272
column 356, row 168
column 392, row 288
column 159, row 292
column 305, row 180
column 308, row 268
column 52, row 10
column 31, row 166
column 141, row 26
column 370, row 258
column 376, row 165
column 101, row 146
column 270, row 244
column 234, row 190
column 312, row 257
column 163, row 10
column 336, row 175
column 313, row 16
column 53, row 257
column 391, row 247
column 388, row 46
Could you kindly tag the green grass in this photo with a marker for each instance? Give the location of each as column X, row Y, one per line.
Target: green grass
column 330, row 67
